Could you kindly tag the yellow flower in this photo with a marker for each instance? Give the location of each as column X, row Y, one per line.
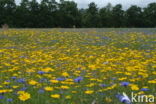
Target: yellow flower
column 89, row 92
column 152, row 81
column 65, row 74
column 128, row 74
column 93, row 67
column 69, row 80
column 20, row 92
column 91, row 85
column 134, row 87
column 32, row 82
column 6, row 90
column 3, row 91
column 15, row 86
column 54, row 81
column 154, row 66
column 68, row 97
column 123, row 78
column 6, row 83
column 48, row 69
column 154, row 73
column 48, row 88
column 24, row 96
column 55, row 96
column 64, row 87
column 141, row 92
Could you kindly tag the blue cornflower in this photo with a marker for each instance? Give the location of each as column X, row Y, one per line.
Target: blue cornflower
column 41, row 72
column 23, row 89
column 7, row 80
column 9, row 100
column 78, row 79
column 103, row 85
column 1, row 96
column 125, row 84
column 21, row 80
column 13, row 77
column 144, row 89
column 41, row 91
column 60, row 79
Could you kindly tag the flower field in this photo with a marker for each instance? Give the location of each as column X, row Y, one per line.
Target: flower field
column 75, row 67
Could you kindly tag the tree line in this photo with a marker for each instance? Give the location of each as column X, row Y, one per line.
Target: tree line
column 66, row 14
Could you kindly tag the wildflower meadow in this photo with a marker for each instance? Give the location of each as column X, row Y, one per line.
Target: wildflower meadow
column 55, row 66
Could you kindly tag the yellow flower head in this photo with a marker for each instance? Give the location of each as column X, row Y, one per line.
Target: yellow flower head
column 48, row 69
column 20, row 92
column 54, row 81
column 24, row 96
column 56, row 96
column 93, row 67
column 64, row 87
column 89, row 92
column 15, row 87
column 5, row 90
column 65, row 74
column 32, row 82
column 48, row 88
column 6, row 83
column 134, row 87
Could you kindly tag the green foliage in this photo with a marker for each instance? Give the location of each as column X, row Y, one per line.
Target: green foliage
column 150, row 15
column 106, row 16
column 91, row 17
column 66, row 14
column 134, row 16
column 7, row 10
column 118, row 16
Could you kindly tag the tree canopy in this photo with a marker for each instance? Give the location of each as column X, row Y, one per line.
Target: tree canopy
column 66, row 14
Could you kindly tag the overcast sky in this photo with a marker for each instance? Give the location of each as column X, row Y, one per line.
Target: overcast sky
column 101, row 3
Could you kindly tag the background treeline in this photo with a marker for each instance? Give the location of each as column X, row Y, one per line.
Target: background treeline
column 49, row 13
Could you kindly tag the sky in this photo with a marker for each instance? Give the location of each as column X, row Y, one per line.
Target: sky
column 101, row 3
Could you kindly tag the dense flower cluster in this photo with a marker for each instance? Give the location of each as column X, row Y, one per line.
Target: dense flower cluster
column 54, row 67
